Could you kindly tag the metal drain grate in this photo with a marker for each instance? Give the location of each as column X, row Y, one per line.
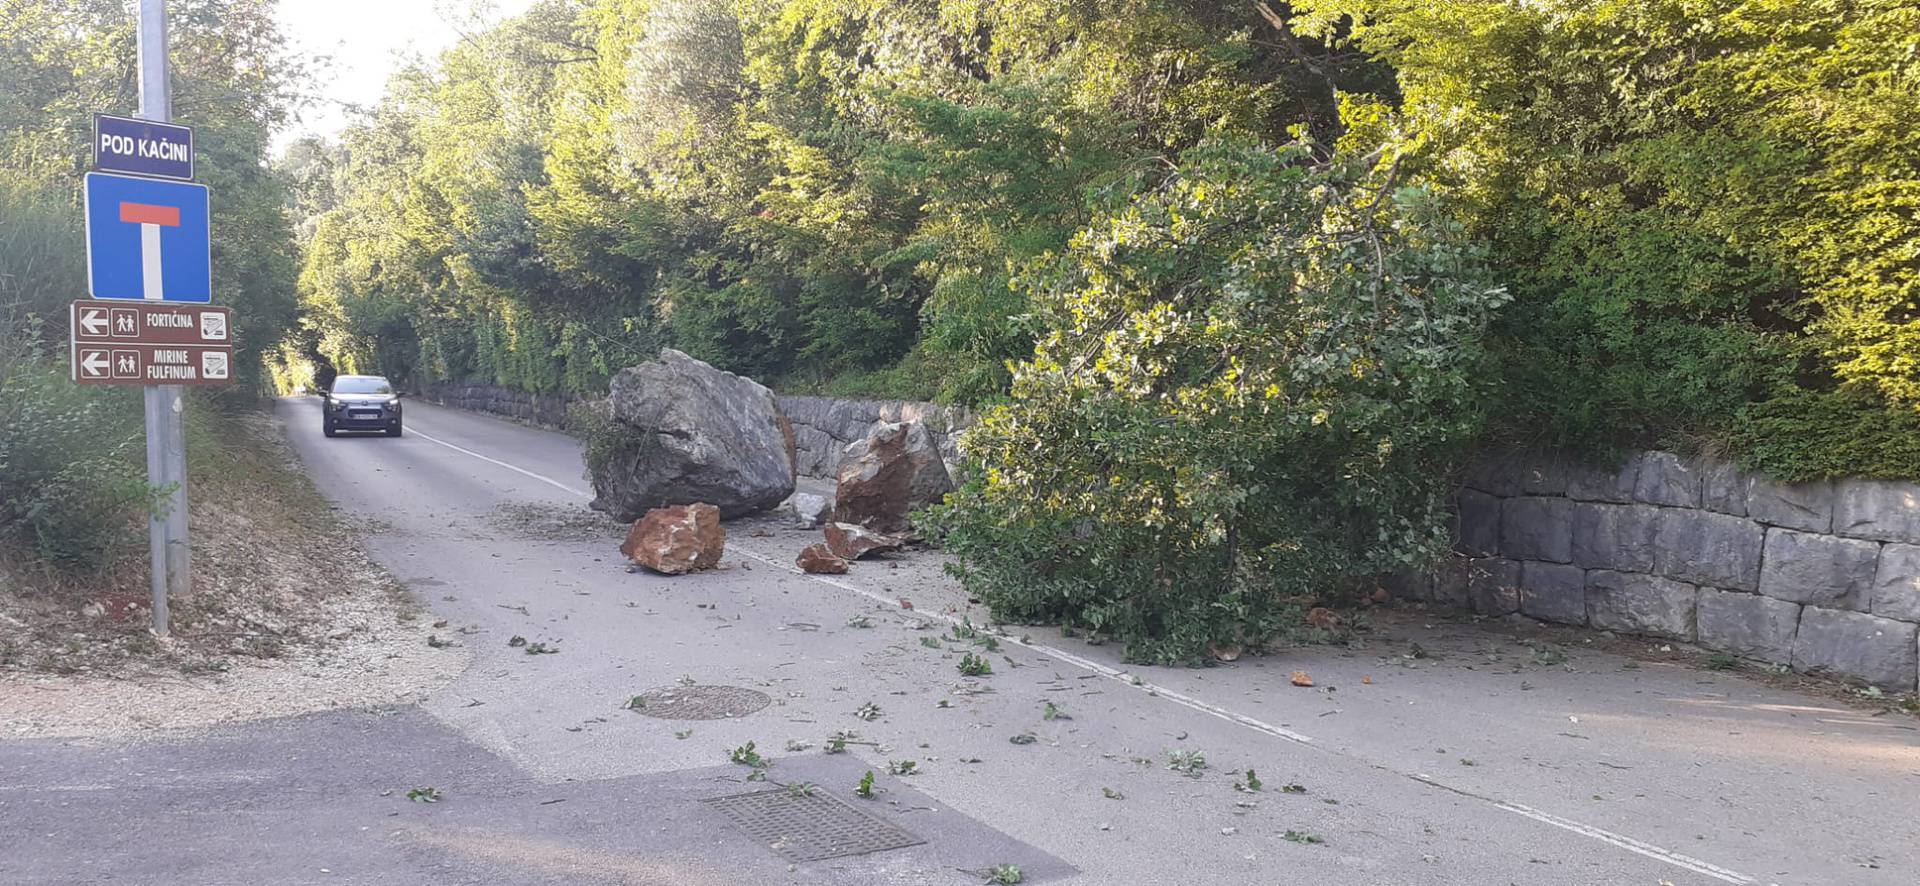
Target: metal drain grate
column 810, row 828
column 698, row 702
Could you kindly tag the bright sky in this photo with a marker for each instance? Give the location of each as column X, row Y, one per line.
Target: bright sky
column 367, row 40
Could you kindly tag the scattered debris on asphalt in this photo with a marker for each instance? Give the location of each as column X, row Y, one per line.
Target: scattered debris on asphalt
column 1189, row 763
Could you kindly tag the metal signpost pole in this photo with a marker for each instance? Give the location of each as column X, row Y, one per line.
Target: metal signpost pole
column 165, row 406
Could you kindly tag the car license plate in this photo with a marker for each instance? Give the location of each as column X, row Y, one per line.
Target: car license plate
column 361, row 414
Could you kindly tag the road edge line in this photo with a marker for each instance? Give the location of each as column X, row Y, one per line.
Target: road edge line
column 494, row 461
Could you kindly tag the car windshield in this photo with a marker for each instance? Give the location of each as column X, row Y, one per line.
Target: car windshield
column 356, row 385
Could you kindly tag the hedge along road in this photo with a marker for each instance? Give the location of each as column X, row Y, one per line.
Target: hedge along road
column 1472, row 763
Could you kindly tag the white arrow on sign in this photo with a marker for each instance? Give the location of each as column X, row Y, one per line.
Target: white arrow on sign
column 94, row 320
column 94, row 364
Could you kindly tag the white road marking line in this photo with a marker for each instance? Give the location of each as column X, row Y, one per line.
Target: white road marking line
column 1065, row 657
column 1612, row 839
column 57, row 787
column 494, row 461
column 1628, row 843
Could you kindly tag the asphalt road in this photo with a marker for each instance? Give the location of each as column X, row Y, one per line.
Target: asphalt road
column 1471, row 761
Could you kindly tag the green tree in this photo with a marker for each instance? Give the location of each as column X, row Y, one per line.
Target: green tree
column 1705, row 210
column 233, row 81
column 813, row 192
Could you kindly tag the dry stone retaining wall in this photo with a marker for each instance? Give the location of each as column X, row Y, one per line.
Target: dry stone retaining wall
column 549, row 410
column 1821, row 576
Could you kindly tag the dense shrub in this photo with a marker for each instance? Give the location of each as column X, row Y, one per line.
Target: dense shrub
column 42, row 261
column 1255, row 382
column 71, row 470
column 72, row 479
column 1708, row 211
column 1808, row 436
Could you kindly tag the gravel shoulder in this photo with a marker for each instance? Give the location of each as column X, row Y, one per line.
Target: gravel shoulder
column 383, row 661
column 289, row 614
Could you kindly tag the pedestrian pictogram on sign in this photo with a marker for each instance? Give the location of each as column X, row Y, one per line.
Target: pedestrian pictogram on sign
column 147, row 239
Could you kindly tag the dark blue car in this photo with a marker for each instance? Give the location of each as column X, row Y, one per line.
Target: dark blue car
column 360, row 403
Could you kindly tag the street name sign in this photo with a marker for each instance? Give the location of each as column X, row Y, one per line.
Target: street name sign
column 143, row 343
column 147, row 239
column 142, row 147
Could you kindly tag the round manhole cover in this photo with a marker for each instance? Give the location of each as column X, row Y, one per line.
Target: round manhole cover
column 698, row 702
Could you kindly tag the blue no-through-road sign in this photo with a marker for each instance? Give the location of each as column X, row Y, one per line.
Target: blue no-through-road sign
column 147, row 239
column 142, row 147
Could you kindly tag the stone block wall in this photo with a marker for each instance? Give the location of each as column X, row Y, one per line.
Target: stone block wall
column 823, row 426
column 547, row 410
column 1823, row 576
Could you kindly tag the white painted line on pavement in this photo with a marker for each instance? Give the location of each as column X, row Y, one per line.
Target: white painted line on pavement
column 1628, row 843
column 494, row 461
column 1612, row 839
column 1066, row 657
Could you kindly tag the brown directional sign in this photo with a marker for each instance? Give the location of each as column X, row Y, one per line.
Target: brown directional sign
column 144, row 364
column 155, row 323
column 138, row 343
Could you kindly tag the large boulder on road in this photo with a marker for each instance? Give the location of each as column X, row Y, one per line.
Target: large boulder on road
column 682, row 432
column 676, row 540
column 888, row 475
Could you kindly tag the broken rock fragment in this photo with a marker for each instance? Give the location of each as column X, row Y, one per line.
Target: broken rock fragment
column 883, row 478
column 678, row 539
column 819, row 559
column 851, row 542
column 810, row 509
